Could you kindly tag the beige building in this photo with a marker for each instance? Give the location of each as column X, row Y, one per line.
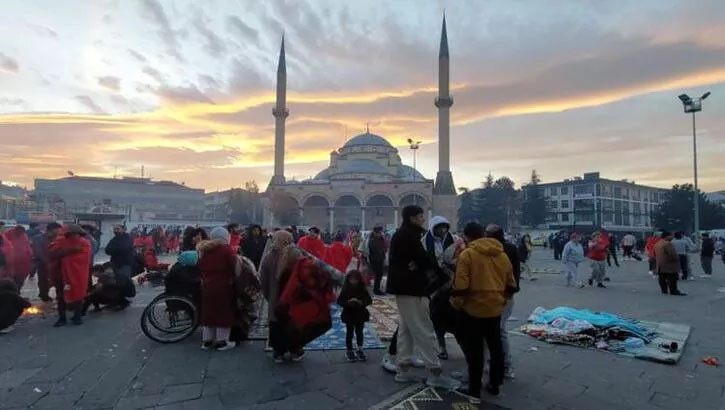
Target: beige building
column 366, row 184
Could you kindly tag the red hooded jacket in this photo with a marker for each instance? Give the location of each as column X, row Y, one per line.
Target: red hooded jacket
column 22, row 253
column 74, row 255
column 339, row 256
column 314, row 246
column 9, row 252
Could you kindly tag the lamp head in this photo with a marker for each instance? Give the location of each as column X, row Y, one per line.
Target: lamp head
column 707, row 94
column 410, row 141
column 684, row 98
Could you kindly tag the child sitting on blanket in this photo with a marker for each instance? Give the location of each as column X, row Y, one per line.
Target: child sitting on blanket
column 354, row 299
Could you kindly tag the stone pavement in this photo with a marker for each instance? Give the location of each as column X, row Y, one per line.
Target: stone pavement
column 107, row 363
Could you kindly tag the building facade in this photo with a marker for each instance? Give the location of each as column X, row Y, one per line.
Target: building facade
column 590, row 202
column 366, row 184
column 140, row 199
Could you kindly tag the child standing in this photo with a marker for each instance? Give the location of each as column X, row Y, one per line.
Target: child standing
column 354, row 299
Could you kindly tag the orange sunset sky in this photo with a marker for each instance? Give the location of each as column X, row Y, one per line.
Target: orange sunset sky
column 186, row 88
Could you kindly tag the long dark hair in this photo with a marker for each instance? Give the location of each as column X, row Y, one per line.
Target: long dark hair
column 354, row 289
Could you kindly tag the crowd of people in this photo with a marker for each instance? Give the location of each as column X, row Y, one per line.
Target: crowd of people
column 442, row 283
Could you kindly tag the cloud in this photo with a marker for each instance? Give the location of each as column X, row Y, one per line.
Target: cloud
column 138, row 56
column 42, row 30
column 182, row 95
column 213, row 44
column 8, row 64
column 88, row 103
column 154, row 12
column 110, row 83
column 240, row 28
column 154, row 73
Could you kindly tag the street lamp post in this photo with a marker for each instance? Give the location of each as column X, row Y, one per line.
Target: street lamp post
column 693, row 105
column 414, row 145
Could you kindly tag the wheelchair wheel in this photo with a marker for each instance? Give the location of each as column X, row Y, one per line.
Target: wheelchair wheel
column 169, row 319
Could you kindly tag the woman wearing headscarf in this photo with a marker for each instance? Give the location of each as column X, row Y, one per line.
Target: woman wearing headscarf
column 218, row 265
column 274, row 271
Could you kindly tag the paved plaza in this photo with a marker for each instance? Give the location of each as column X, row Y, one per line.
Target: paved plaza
column 109, row 364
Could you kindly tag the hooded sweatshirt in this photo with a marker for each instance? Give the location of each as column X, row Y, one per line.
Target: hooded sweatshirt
column 483, row 275
column 434, row 245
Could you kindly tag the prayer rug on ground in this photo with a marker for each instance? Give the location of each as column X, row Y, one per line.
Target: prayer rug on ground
column 384, row 317
column 422, row 397
column 260, row 327
column 334, row 339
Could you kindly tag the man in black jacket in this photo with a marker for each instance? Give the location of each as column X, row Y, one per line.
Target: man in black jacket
column 410, row 271
column 495, row 231
column 376, row 257
column 707, row 252
column 120, row 249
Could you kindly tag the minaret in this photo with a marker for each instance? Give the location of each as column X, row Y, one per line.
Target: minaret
column 444, row 180
column 280, row 113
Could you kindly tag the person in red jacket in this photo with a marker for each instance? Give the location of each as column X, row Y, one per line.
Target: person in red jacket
column 22, row 255
column 598, row 254
column 8, row 251
column 313, row 244
column 338, row 254
column 73, row 253
column 235, row 237
column 650, row 248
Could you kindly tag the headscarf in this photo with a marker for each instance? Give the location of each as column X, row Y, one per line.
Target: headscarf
column 279, row 241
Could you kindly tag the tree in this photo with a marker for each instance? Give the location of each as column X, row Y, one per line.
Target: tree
column 284, row 208
column 245, row 205
column 676, row 212
column 534, row 205
column 494, row 203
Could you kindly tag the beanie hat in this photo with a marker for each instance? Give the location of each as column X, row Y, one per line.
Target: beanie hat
column 220, row 233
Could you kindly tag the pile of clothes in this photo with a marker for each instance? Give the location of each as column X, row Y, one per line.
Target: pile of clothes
column 584, row 328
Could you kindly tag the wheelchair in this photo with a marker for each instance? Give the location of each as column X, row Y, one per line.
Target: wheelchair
column 173, row 315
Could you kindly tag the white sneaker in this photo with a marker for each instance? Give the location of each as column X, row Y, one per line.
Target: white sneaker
column 226, row 346
column 417, row 362
column 442, row 382
column 389, row 363
column 460, row 376
column 508, row 373
column 406, row 377
column 7, row 330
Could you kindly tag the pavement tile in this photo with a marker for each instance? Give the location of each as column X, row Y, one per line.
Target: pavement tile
column 58, row 401
column 206, row 403
column 310, row 400
column 23, row 395
column 181, row 392
column 137, row 402
column 15, row 377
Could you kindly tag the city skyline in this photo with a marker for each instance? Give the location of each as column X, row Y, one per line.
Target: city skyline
column 187, row 92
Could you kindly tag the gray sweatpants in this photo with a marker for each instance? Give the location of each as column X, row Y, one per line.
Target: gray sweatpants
column 572, row 273
column 599, row 270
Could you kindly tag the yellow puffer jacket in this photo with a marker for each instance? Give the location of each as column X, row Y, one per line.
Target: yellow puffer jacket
column 483, row 275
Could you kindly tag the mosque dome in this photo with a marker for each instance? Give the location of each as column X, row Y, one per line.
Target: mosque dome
column 367, row 139
column 369, row 157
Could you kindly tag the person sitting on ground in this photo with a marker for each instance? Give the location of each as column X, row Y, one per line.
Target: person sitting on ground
column 354, row 299
column 483, row 281
column 668, row 264
column 106, row 292
column 313, row 244
column 11, row 304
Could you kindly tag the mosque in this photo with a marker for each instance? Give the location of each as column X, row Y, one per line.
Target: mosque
column 366, row 184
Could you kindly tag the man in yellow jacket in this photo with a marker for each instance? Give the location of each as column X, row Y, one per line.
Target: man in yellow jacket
column 484, row 279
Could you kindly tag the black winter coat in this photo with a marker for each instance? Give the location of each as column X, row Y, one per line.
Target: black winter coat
column 354, row 313
column 406, row 247
column 120, row 249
